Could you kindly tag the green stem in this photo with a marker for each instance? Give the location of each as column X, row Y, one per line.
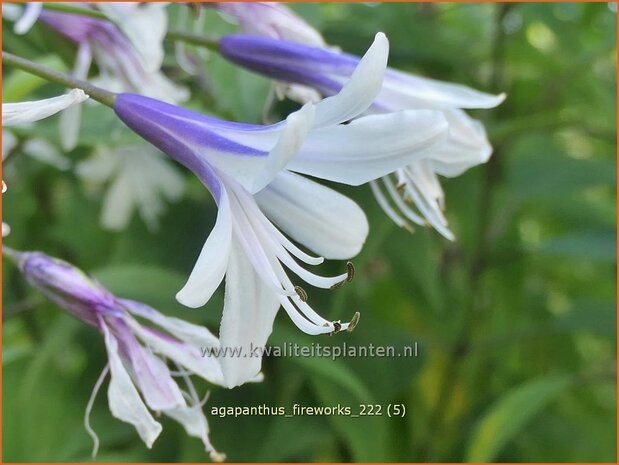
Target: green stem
column 194, row 39
column 100, row 95
column 76, row 10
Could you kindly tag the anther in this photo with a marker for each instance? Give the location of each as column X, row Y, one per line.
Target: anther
column 409, row 228
column 301, row 293
column 338, row 285
column 353, row 322
column 350, row 271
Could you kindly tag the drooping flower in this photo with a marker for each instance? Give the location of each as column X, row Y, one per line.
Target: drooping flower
column 248, row 170
column 138, row 353
column 140, row 179
column 327, row 71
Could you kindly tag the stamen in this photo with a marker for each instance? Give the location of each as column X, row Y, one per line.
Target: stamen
column 337, row 285
column 91, row 401
column 301, row 293
column 350, row 271
column 353, row 322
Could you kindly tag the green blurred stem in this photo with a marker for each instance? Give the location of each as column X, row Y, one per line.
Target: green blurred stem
column 459, row 349
column 173, row 35
column 194, row 39
column 76, row 10
column 98, row 94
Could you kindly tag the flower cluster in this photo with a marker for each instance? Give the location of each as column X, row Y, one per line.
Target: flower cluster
column 360, row 123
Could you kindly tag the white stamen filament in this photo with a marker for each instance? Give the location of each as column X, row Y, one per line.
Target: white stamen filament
column 406, row 211
column 270, row 249
column 91, row 432
column 384, row 204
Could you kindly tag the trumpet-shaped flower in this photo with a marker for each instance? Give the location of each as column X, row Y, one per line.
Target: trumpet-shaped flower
column 327, row 71
column 140, row 179
column 140, row 379
column 248, row 170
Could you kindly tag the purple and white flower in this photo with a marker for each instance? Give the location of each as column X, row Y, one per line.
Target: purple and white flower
column 140, row 379
column 249, row 171
column 327, row 71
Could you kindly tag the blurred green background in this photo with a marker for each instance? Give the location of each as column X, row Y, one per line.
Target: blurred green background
column 515, row 321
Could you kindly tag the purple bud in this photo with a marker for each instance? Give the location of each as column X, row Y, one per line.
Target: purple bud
column 67, row 286
column 289, row 61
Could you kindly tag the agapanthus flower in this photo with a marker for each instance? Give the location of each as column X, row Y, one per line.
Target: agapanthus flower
column 140, row 179
column 138, row 353
column 248, row 170
column 327, row 71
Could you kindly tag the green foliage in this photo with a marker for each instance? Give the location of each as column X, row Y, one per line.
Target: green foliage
column 515, row 320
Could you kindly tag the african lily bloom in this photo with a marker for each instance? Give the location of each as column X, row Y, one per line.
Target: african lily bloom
column 327, row 71
column 140, row 379
column 127, row 61
column 247, row 169
column 140, row 179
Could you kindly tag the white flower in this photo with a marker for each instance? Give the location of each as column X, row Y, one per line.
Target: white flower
column 248, row 170
column 140, row 180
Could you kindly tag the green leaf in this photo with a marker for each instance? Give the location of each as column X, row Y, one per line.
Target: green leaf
column 503, row 421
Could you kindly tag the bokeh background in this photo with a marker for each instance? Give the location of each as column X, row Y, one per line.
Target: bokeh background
column 515, row 321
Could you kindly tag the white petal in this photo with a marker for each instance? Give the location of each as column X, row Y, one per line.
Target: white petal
column 402, row 90
column 181, row 353
column 9, row 142
column 466, row 146
column 43, row 151
column 328, row 223
column 27, row 112
column 124, row 400
column 209, row 270
column 145, row 25
column 370, row 147
column 100, row 167
column 297, row 127
column 194, row 335
column 152, row 375
column 6, row 229
column 119, row 202
column 31, row 14
column 360, row 90
column 194, row 422
column 249, row 311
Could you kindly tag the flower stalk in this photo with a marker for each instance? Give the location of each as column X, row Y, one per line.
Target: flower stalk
column 98, row 94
